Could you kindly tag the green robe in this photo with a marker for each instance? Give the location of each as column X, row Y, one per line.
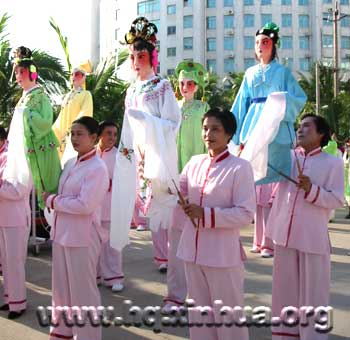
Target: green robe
column 189, row 139
column 40, row 141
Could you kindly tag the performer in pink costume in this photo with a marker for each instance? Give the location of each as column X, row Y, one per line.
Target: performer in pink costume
column 14, row 234
column 110, row 264
column 77, row 231
column 221, row 195
column 298, row 227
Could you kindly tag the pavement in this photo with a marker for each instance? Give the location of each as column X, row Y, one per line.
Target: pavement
column 145, row 286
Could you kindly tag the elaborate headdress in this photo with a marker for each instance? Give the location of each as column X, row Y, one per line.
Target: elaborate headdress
column 143, row 29
column 271, row 30
column 192, row 71
column 23, row 57
column 85, row 68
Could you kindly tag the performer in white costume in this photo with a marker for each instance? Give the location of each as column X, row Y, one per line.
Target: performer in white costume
column 147, row 158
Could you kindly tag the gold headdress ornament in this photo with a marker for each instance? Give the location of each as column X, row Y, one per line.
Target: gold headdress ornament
column 143, row 29
column 85, row 67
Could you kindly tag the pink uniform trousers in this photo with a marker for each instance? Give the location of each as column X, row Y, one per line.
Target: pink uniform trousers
column 13, row 244
column 110, row 269
column 160, row 245
column 299, row 279
column 260, row 240
column 137, row 219
column 207, row 284
column 176, row 278
column 74, row 284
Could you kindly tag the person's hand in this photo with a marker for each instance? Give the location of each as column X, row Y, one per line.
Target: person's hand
column 45, row 195
column 304, row 183
column 193, row 210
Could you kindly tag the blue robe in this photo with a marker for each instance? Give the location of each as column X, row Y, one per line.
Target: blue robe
column 257, row 84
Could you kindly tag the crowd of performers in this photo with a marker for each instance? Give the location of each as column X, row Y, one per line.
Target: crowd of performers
column 195, row 174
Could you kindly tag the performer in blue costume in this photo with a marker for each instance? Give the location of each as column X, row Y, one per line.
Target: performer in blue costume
column 260, row 81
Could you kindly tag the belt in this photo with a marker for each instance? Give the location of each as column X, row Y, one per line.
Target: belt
column 258, row 100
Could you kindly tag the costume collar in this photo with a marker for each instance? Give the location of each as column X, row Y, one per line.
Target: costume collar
column 105, row 150
column 220, row 157
column 25, row 93
column 311, row 153
column 87, row 156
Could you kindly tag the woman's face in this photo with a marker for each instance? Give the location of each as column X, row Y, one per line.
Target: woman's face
column 81, row 139
column 77, row 79
column 141, row 63
column 263, row 47
column 188, row 88
column 214, row 136
column 22, row 78
column 108, row 137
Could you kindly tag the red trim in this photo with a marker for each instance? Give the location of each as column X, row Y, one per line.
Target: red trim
column 212, row 214
column 87, row 156
column 17, row 302
column 286, row 334
column 110, row 185
column 268, row 248
column 172, row 300
column 6, row 295
column 222, row 157
column 160, row 260
column 317, row 194
column 203, row 219
column 60, row 336
column 314, row 152
column 52, row 202
column 114, row 278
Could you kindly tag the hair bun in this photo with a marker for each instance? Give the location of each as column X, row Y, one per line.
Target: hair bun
column 23, row 52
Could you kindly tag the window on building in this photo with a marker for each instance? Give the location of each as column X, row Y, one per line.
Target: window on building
column 211, row 44
column 304, row 43
column 248, row 2
column 287, row 42
column 228, row 43
column 265, row 18
column 327, row 1
column 345, row 22
column 287, row 62
column 228, row 3
column 211, row 3
column 249, row 20
column 188, row 3
column 171, row 9
column 304, row 64
column 303, row 21
column 286, row 2
column 170, row 71
column 265, row 2
column 327, row 40
column 229, row 65
column 228, row 21
column 211, row 23
column 286, row 20
column 171, row 30
column 188, row 21
column 326, row 22
column 188, row 43
column 249, row 42
column 303, row 2
column 171, row 51
column 211, row 65
column 249, row 62
column 344, row 2
column 345, row 42
column 148, row 6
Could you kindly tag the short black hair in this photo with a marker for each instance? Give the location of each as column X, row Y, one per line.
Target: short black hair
column 3, row 133
column 226, row 118
column 322, row 127
column 90, row 123
column 105, row 124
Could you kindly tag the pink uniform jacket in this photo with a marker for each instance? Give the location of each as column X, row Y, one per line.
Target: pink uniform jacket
column 82, row 187
column 14, row 199
column 109, row 157
column 224, row 186
column 298, row 220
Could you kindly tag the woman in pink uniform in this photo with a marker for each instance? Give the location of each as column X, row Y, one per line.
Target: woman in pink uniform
column 110, row 263
column 77, row 231
column 14, row 234
column 221, row 195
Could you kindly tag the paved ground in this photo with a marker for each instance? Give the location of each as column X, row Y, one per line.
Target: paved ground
column 146, row 286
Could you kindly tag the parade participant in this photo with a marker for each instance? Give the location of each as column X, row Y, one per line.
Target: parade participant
column 32, row 148
column 14, row 234
column 298, row 227
column 264, row 198
column 77, row 231
column 191, row 76
column 76, row 103
column 110, row 262
column 220, row 190
column 147, row 158
column 265, row 109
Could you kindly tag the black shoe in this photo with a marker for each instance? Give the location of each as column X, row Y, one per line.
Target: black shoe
column 15, row 315
column 5, row 307
column 347, row 217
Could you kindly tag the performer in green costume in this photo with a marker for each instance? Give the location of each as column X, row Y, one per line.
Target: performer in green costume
column 190, row 76
column 32, row 143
